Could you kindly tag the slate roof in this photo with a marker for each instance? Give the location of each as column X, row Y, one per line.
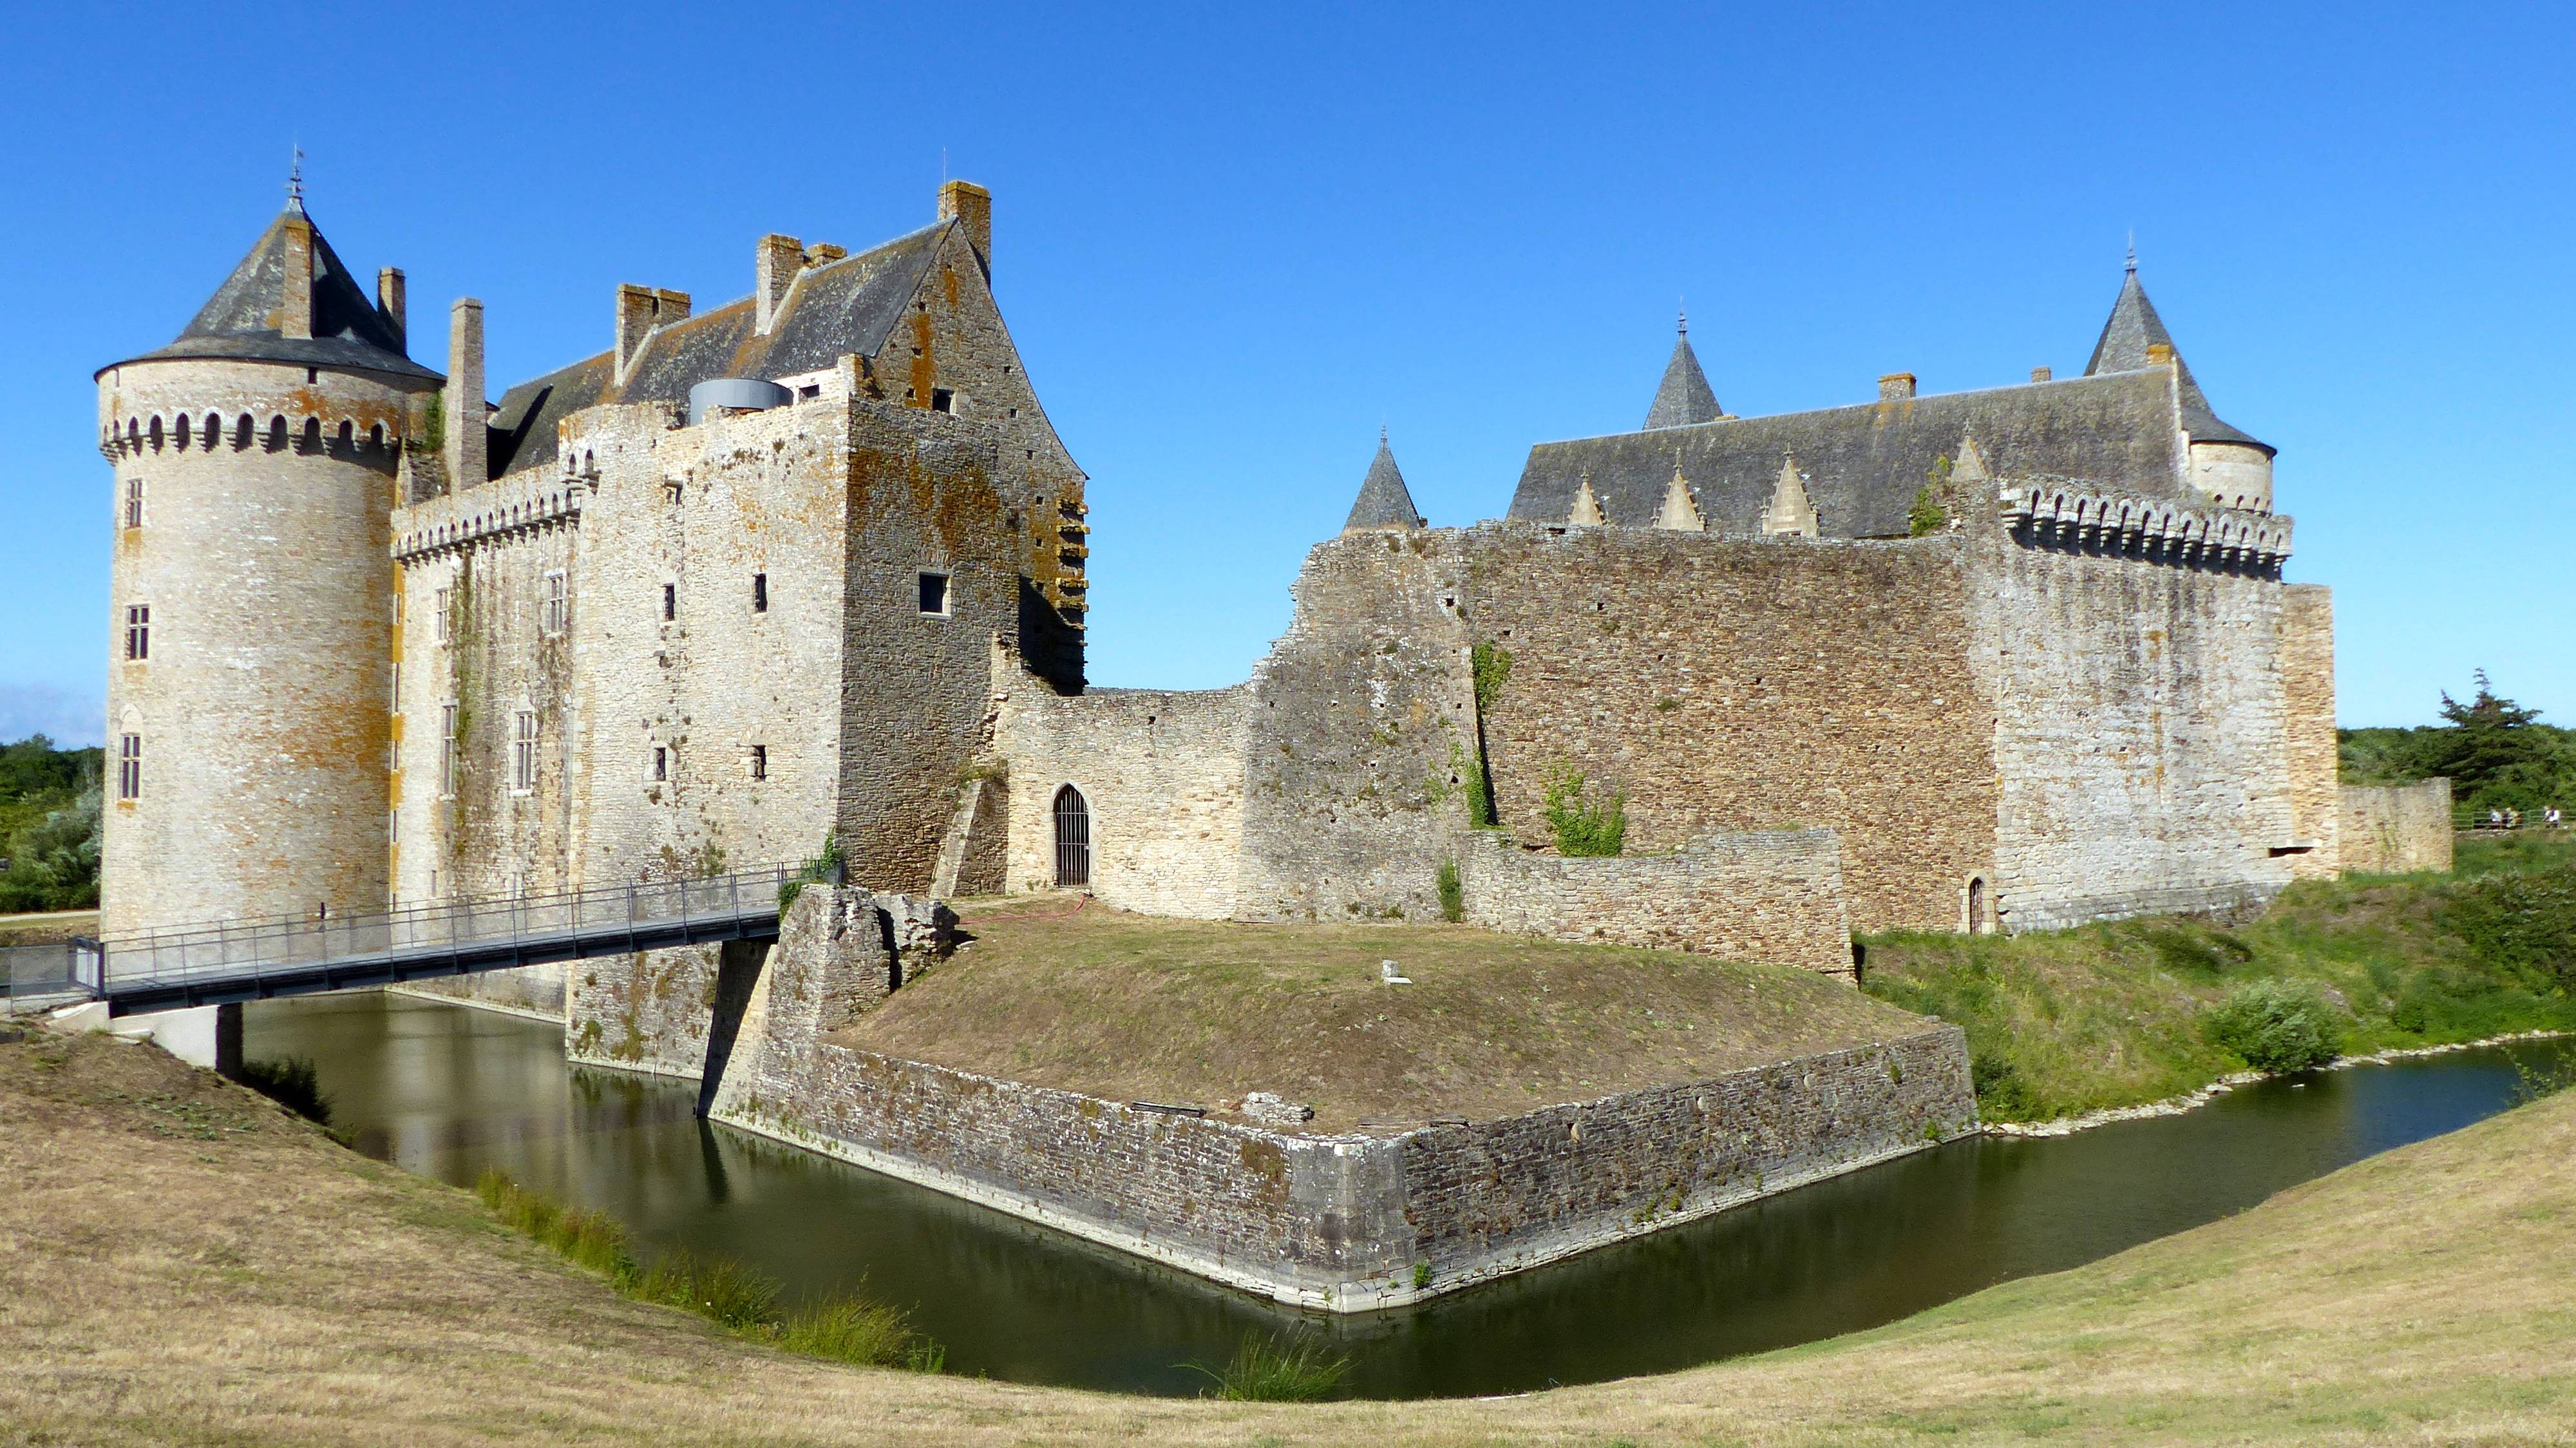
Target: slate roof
column 1685, row 397
column 2133, row 327
column 240, row 321
column 1864, row 464
column 1384, row 501
column 837, row 309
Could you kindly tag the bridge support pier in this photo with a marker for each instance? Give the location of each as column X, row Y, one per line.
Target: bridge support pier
column 208, row 1036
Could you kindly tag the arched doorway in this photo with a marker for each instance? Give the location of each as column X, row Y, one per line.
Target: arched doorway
column 1072, row 838
column 1976, row 907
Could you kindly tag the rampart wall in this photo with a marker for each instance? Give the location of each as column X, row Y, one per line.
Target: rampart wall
column 2396, row 829
column 2308, row 704
column 1773, row 899
column 1162, row 775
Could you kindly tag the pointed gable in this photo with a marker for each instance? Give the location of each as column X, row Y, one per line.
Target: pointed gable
column 1384, row 501
column 2135, row 339
column 1586, row 512
column 1680, row 513
column 1791, row 514
column 1684, row 399
column 245, row 319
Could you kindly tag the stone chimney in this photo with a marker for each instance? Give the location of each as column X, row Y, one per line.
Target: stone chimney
column 389, row 302
column 639, row 311
column 2042, row 374
column 468, row 464
column 295, row 315
column 774, row 269
column 1896, row 387
column 973, row 205
column 2160, row 354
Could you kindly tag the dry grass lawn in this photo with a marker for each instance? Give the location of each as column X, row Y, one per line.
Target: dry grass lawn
column 182, row 1263
column 1142, row 1008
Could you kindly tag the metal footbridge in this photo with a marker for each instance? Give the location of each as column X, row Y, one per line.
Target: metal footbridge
column 221, row 962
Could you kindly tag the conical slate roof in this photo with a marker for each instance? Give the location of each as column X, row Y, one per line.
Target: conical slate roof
column 242, row 320
column 1384, row 501
column 2133, row 328
column 1684, row 398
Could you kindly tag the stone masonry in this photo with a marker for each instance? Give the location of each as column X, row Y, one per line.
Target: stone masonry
column 1774, row 899
column 2397, row 829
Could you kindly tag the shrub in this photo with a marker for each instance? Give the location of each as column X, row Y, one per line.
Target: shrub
column 1278, row 1370
column 2523, row 923
column 2274, row 1026
column 1583, row 827
column 824, row 867
column 291, row 1082
column 1453, row 895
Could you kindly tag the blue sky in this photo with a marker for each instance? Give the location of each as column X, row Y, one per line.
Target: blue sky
column 1234, row 242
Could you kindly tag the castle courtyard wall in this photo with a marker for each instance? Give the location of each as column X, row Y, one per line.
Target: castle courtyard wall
column 2397, row 829
column 1772, row 899
column 1162, row 775
column 2308, row 704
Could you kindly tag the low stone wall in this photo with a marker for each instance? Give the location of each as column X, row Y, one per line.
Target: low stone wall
column 528, row 990
column 1346, row 1223
column 1772, row 898
column 1161, row 773
column 2396, row 829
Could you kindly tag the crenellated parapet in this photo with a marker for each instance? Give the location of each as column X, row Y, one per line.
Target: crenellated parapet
column 2067, row 515
column 462, row 520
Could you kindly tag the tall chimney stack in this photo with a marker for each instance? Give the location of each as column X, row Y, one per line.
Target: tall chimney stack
column 973, row 205
column 774, row 270
column 468, row 464
column 1896, row 387
column 639, row 311
column 389, row 303
column 295, row 318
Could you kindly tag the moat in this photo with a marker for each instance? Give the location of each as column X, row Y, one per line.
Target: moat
column 446, row 1091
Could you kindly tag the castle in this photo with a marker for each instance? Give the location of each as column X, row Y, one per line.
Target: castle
column 812, row 564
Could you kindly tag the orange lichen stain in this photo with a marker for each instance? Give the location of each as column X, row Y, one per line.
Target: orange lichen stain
column 948, row 282
column 925, row 365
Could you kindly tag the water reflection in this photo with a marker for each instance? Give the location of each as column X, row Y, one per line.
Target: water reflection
column 445, row 1091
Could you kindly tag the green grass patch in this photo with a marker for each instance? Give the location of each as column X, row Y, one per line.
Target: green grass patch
column 1278, row 1370
column 744, row 1301
column 2126, row 1012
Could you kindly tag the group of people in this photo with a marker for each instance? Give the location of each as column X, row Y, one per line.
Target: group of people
column 2511, row 819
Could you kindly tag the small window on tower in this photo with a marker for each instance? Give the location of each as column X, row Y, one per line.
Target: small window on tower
column 934, row 594
column 129, row 766
column 439, row 618
column 446, row 752
column 523, row 751
column 760, row 593
column 670, row 602
column 558, row 610
column 133, row 502
column 943, row 400
column 760, row 761
column 661, row 764
column 138, row 632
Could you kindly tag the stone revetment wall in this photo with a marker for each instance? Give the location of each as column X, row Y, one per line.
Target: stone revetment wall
column 1346, row 1223
column 2396, row 829
column 1774, row 898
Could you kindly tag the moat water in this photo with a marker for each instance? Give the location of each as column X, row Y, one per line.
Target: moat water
column 446, row 1091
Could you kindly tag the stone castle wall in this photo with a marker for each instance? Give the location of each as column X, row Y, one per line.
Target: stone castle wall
column 2396, row 829
column 1773, row 899
column 2140, row 737
column 527, row 990
column 1162, row 775
column 1725, row 686
column 2308, row 702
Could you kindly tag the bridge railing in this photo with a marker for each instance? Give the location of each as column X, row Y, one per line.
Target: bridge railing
column 54, row 973
column 251, row 949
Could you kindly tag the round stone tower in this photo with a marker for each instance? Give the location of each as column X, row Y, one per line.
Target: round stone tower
column 249, row 662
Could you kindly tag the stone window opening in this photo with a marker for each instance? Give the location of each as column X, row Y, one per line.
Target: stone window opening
column 670, row 602
column 557, row 613
column 244, row 431
column 943, row 399
column 446, row 756
column 1072, row 839
column 180, row 438
column 311, row 439
column 1976, row 906
column 129, row 767
column 760, row 761
column 934, row 595
column 442, row 616
column 661, row 764
column 156, row 434
column 523, row 751
column 760, row 593
column 138, row 632
column 133, row 502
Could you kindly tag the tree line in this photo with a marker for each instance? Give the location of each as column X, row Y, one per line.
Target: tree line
column 2496, row 753
column 49, row 823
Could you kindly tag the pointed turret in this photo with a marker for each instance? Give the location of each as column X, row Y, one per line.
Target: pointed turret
column 2135, row 338
column 1684, row 398
column 1790, row 515
column 291, row 300
column 1384, row 501
column 1680, row 513
column 1586, row 512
